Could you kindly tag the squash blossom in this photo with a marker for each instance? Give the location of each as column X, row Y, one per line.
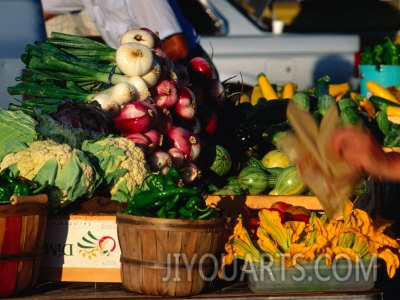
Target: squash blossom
column 240, row 246
column 356, row 237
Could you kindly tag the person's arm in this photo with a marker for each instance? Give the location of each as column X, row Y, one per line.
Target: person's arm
column 363, row 153
column 176, row 47
column 48, row 16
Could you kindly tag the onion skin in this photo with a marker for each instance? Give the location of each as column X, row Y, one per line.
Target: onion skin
column 136, row 117
column 165, row 94
column 141, row 87
column 177, row 157
column 123, row 92
column 179, row 138
column 185, row 107
column 217, row 91
column 195, row 147
column 208, row 119
column 182, row 75
column 107, row 103
column 155, row 137
column 151, row 78
column 200, row 71
column 156, row 37
column 160, row 161
column 134, row 59
column 138, row 138
column 139, row 35
column 189, row 172
column 164, row 121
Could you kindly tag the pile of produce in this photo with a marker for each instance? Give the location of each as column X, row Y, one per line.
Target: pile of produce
column 280, row 237
column 386, row 53
column 102, row 121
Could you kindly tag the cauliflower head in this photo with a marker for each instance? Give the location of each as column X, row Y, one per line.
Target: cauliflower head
column 122, row 162
column 59, row 165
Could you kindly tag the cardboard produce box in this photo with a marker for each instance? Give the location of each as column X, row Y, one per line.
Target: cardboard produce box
column 84, row 247
column 81, row 247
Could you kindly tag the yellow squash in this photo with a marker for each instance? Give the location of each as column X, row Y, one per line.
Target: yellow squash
column 266, row 87
column 378, row 90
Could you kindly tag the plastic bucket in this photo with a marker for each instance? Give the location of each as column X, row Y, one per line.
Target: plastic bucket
column 385, row 75
column 168, row 257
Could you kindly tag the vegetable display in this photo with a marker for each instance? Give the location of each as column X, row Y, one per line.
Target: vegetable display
column 67, row 170
column 10, row 185
column 355, row 237
column 165, row 196
column 386, row 53
column 131, row 112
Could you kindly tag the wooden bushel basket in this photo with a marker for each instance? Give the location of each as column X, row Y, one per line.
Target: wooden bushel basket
column 22, row 232
column 168, row 257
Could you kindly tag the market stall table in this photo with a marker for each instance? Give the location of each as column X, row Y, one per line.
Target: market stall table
column 239, row 290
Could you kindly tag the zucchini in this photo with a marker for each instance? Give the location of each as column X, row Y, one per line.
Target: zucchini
column 350, row 116
column 346, row 102
column 288, row 182
column 392, row 139
column 270, row 133
column 383, row 122
column 324, row 102
column 381, row 103
column 302, row 99
column 263, row 114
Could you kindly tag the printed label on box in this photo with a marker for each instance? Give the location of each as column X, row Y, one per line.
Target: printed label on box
column 82, row 242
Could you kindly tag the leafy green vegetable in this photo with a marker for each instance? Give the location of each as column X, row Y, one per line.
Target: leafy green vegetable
column 16, row 129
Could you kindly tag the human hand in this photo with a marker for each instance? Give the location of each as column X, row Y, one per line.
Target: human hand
column 361, row 150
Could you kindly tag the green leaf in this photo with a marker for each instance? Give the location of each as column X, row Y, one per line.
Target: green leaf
column 15, row 126
column 48, row 172
column 112, row 178
column 71, row 180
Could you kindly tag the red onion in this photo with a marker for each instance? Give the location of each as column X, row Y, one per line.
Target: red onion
column 165, row 121
column 208, row 119
column 177, row 156
column 185, row 107
column 217, row 91
column 164, row 61
column 165, row 94
column 156, row 37
column 182, row 75
column 160, row 161
column 189, row 172
column 186, row 141
column 136, row 116
column 195, row 147
column 155, row 137
column 200, row 66
column 200, row 70
column 179, row 138
column 138, row 138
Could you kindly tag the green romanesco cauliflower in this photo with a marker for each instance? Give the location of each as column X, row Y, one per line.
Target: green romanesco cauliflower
column 123, row 163
column 67, row 169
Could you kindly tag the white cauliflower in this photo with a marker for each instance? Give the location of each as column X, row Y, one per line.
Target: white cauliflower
column 123, row 163
column 59, row 165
